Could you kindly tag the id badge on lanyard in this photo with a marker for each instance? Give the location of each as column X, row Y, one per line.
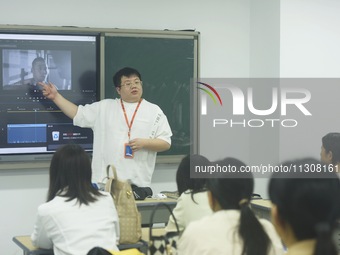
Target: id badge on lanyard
column 128, row 152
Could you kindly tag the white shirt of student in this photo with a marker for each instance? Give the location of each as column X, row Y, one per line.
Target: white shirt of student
column 73, row 229
column 218, row 234
column 187, row 210
column 110, row 130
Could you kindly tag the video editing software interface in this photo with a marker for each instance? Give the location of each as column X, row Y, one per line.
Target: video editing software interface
column 29, row 122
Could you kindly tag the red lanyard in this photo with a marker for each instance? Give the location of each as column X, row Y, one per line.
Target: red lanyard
column 133, row 116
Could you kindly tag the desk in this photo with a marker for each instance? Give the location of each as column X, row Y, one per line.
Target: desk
column 146, row 206
column 25, row 243
column 155, row 232
column 261, row 208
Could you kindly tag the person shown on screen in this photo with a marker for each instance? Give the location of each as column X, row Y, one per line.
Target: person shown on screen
column 76, row 216
column 330, row 150
column 39, row 71
column 128, row 131
column 233, row 228
column 305, row 209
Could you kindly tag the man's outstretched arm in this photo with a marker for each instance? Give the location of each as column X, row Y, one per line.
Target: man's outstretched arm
column 50, row 91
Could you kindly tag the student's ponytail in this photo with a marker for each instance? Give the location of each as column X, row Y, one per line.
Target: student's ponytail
column 234, row 193
column 324, row 240
column 255, row 239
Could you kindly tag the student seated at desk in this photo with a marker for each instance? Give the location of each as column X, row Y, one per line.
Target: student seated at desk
column 192, row 203
column 232, row 229
column 330, row 151
column 305, row 209
column 76, row 216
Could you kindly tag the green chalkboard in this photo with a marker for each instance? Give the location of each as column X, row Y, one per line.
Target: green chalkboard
column 167, row 66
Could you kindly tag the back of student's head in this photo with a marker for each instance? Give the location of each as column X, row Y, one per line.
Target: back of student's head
column 331, row 143
column 233, row 191
column 183, row 180
column 70, row 175
column 308, row 202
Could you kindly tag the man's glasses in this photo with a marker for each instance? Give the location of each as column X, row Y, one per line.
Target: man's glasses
column 130, row 84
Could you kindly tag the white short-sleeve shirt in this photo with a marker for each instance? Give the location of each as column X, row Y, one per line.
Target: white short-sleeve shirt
column 73, row 229
column 110, row 130
column 218, row 234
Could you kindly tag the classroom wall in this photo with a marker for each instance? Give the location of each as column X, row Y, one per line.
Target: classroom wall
column 238, row 39
column 224, row 52
column 309, row 46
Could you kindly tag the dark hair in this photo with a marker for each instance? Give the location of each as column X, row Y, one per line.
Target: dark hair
column 331, row 142
column 309, row 204
column 234, row 192
column 70, row 175
column 183, row 180
column 126, row 71
column 36, row 60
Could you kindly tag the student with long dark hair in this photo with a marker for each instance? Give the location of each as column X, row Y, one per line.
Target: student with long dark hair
column 76, row 216
column 192, row 203
column 305, row 208
column 232, row 228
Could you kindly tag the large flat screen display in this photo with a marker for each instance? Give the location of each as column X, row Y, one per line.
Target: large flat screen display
column 30, row 124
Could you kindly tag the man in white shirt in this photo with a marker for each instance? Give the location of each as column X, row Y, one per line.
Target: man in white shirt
column 128, row 132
